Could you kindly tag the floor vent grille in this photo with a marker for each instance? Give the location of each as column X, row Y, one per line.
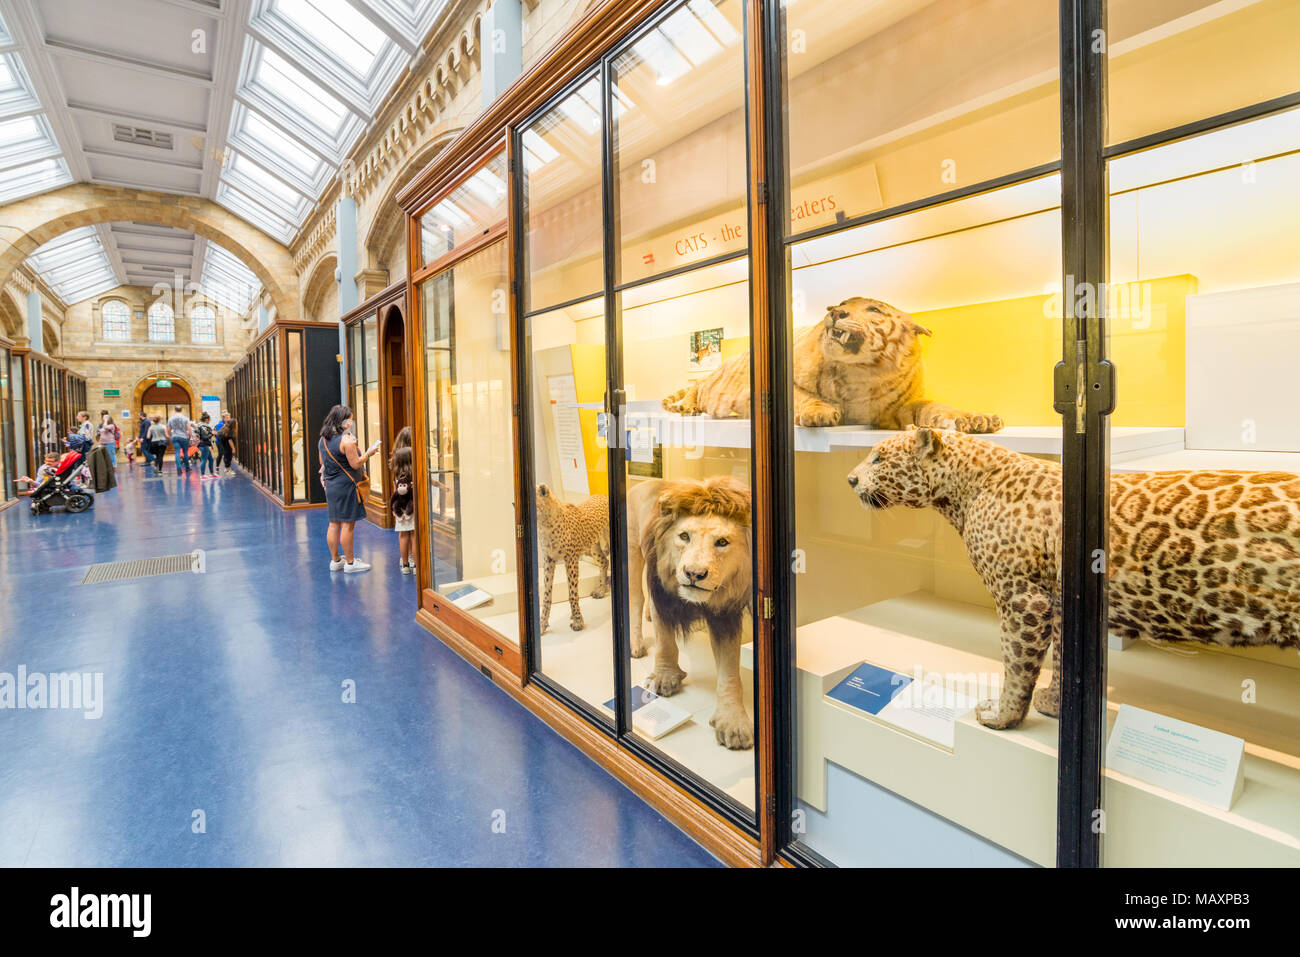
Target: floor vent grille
column 141, row 568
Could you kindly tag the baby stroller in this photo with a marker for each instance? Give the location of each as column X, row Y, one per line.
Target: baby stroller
column 61, row 488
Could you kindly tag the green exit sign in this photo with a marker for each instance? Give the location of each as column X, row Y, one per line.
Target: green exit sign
column 112, row 393
column 164, row 383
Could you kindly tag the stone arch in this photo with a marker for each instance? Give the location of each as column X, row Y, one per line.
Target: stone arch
column 50, row 337
column 388, row 224
column 320, row 282
column 142, row 386
column 13, row 318
column 44, row 217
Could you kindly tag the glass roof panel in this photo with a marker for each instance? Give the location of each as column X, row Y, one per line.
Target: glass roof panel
column 337, row 27
column 228, row 281
column 253, row 211
column 301, row 96
column 75, row 265
column 16, row 92
column 269, row 137
column 278, row 197
column 32, row 178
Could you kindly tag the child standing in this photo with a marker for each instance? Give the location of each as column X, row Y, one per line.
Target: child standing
column 401, row 468
column 203, row 431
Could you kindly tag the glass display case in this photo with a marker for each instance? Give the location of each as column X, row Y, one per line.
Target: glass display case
column 376, row 363
column 278, row 394
column 1201, row 703
column 468, row 542
column 11, row 417
column 50, row 395
column 828, row 513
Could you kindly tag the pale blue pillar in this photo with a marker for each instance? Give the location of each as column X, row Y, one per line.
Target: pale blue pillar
column 346, row 274
column 263, row 318
column 502, row 51
column 34, row 330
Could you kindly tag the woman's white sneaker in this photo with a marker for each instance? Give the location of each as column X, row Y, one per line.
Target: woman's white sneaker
column 335, row 566
column 356, row 566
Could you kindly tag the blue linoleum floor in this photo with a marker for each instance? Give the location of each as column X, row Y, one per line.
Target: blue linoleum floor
column 222, row 694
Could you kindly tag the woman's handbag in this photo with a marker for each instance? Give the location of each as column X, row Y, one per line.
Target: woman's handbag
column 362, row 484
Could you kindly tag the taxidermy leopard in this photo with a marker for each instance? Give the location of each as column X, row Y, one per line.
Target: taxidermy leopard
column 565, row 533
column 1194, row 556
column 860, row 366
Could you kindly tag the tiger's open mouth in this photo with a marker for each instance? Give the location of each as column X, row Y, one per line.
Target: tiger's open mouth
column 848, row 339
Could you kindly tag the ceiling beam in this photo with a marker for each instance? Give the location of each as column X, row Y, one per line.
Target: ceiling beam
column 136, row 119
column 153, row 160
column 394, row 33
column 105, row 233
column 157, row 70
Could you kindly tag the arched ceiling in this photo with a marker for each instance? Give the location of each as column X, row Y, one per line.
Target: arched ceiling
column 252, row 104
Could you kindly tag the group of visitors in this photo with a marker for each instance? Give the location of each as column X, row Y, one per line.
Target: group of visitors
column 189, row 441
column 346, row 484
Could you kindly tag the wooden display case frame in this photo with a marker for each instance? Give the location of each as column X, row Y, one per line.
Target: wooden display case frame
column 381, row 306
column 279, row 328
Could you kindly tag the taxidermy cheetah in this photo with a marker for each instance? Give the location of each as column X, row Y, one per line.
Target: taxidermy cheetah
column 565, row 533
column 860, row 366
column 1194, row 556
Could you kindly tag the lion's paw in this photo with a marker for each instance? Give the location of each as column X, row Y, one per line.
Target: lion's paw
column 1048, row 701
column 816, row 415
column 733, row 728
column 638, row 648
column 987, row 714
column 665, row 682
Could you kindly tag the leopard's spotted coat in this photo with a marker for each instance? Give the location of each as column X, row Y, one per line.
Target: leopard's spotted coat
column 1210, row 556
column 565, row 533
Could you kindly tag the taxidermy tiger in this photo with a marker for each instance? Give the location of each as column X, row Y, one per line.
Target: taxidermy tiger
column 860, row 366
column 1194, row 556
column 565, row 533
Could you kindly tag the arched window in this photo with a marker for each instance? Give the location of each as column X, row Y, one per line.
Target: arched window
column 162, row 323
column 117, row 320
column 203, row 325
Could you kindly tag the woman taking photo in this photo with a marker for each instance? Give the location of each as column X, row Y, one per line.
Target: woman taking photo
column 345, row 482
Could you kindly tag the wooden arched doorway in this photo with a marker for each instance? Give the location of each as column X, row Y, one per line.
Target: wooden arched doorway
column 395, row 394
column 159, row 395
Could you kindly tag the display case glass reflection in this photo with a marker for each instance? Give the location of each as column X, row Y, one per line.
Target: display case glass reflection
column 1202, row 713
column 900, row 101
column 470, row 440
column 924, row 429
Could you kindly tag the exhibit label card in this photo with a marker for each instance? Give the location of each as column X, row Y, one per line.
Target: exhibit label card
column 1177, row 756
column 924, row 709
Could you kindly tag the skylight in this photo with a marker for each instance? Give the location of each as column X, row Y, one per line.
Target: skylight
column 30, row 178
column 258, row 138
column 338, row 28
column 26, row 138
column 229, row 281
column 75, row 265
column 243, row 205
column 278, row 197
column 298, row 97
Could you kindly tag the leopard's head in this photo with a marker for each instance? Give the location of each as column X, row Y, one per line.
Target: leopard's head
column 869, row 332
column 901, row 470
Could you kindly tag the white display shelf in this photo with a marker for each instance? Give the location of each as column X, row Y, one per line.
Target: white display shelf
column 583, row 663
column 1002, row 784
column 701, row 431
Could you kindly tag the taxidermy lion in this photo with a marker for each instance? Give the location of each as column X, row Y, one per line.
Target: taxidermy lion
column 689, row 553
column 860, row 366
column 1194, row 556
